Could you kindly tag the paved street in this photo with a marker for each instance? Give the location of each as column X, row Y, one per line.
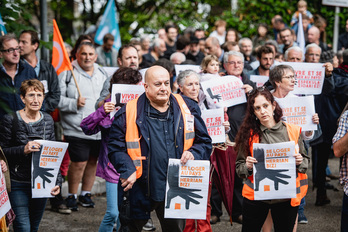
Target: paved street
column 325, row 218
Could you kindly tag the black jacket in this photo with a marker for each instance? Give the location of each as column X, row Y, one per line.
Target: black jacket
column 52, row 95
column 10, row 100
column 19, row 163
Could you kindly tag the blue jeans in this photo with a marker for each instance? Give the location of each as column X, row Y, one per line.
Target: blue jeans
column 344, row 217
column 111, row 213
column 29, row 211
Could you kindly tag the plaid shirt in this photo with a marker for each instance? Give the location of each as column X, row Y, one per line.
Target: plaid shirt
column 341, row 131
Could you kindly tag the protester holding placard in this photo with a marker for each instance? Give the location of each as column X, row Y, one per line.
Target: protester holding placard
column 100, row 121
column 17, row 132
column 262, row 124
column 283, row 80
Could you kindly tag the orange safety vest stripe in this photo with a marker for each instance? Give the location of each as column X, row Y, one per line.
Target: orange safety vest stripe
column 132, row 133
column 301, row 178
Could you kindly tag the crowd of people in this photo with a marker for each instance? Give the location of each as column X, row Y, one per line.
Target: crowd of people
column 131, row 150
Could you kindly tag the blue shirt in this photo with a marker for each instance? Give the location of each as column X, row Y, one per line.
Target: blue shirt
column 161, row 132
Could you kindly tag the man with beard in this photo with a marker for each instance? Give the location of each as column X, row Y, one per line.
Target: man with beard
column 287, row 37
column 157, row 50
column 29, row 43
column 106, row 53
column 265, row 56
column 195, row 54
column 172, row 33
column 246, row 47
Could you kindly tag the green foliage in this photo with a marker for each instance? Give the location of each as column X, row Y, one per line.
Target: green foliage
column 15, row 16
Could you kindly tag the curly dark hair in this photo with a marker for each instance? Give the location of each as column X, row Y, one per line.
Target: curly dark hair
column 125, row 75
column 251, row 126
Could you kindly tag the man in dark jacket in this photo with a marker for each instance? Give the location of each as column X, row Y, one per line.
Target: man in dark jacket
column 162, row 136
column 13, row 72
column 29, row 42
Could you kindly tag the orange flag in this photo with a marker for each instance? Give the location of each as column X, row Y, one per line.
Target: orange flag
column 60, row 58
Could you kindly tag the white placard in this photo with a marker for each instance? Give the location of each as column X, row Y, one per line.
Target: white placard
column 310, row 77
column 142, row 72
column 225, row 91
column 5, row 204
column 187, row 189
column 45, row 166
column 213, row 120
column 182, row 67
column 259, row 80
column 341, row 3
column 298, row 111
column 110, row 70
column 275, row 171
column 121, row 94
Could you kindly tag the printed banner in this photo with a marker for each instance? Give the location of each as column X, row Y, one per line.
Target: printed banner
column 187, row 189
column 45, row 166
column 213, row 120
column 5, row 204
column 182, row 67
column 259, row 80
column 275, row 171
column 122, row 94
column 298, row 111
column 225, row 91
column 309, row 77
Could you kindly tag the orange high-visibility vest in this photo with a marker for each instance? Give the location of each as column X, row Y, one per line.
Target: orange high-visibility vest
column 301, row 178
column 132, row 133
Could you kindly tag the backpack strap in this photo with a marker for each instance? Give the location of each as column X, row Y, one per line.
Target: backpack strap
column 14, row 128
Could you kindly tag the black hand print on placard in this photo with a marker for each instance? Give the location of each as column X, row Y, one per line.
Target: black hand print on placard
column 38, row 171
column 217, row 96
column 174, row 190
column 262, row 173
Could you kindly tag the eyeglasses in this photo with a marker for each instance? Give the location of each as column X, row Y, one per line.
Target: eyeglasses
column 235, row 62
column 33, row 95
column 291, row 77
column 259, row 89
column 10, row 50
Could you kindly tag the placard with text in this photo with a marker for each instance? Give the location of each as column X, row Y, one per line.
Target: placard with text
column 213, row 120
column 187, row 189
column 309, row 77
column 275, row 171
column 45, row 166
column 298, row 111
column 225, row 91
column 122, row 93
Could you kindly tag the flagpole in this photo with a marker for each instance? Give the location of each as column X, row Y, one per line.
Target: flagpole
column 77, row 86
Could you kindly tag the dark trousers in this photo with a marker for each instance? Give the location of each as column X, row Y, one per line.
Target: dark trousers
column 170, row 225
column 344, row 217
column 28, row 210
column 321, row 152
column 255, row 214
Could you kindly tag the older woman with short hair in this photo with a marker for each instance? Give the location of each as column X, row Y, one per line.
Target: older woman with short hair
column 17, row 134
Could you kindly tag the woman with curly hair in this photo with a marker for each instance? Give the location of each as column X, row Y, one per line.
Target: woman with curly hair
column 263, row 124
